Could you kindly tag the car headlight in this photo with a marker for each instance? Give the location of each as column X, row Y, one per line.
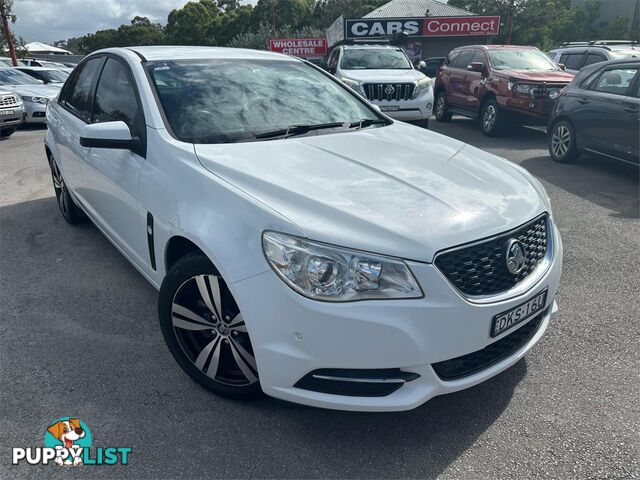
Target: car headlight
column 354, row 84
column 42, row 100
column 553, row 93
column 336, row 274
column 523, row 88
column 422, row 85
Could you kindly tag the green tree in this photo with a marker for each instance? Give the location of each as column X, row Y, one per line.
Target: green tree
column 192, row 24
column 294, row 13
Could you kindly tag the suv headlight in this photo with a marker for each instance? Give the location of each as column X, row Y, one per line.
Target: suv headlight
column 336, row 274
column 353, row 84
column 422, row 85
column 43, row 100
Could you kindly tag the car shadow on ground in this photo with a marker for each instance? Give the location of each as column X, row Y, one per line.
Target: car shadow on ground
column 73, row 289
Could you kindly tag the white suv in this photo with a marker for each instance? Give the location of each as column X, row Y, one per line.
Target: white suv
column 385, row 76
column 304, row 245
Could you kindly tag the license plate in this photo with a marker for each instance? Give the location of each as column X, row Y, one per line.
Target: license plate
column 390, row 108
column 7, row 112
column 509, row 319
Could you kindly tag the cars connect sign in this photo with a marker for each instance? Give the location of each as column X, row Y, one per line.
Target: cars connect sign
column 470, row 26
column 300, row 47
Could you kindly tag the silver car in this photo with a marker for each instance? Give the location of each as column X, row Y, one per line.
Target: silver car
column 34, row 94
column 11, row 112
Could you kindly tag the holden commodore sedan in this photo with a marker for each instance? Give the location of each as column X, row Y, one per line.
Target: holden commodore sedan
column 304, row 244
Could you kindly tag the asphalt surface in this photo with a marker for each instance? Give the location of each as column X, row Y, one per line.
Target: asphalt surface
column 79, row 337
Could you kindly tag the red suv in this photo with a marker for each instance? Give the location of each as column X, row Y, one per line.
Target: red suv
column 498, row 84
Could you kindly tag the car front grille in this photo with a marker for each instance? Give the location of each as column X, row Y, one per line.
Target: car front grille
column 481, row 268
column 8, row 101
column 479, row 360
column 389, row 91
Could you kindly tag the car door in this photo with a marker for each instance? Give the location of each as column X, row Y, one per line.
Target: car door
column 457, row 94
column 113, row 174
column 474, row 82
column 632, row 113
column 72, row 112
column 573, row 61
column 605, row 119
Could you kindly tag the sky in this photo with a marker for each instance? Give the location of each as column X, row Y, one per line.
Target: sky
column 50, row 20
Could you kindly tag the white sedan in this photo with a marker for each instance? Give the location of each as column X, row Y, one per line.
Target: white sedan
column 304, row 244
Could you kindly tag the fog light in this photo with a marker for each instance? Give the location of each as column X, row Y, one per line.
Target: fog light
column 532, row 105
column 429, row 106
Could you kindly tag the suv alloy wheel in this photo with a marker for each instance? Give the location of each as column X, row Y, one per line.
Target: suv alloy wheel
column 490, row 118
column 205, row 331
column 442, row 108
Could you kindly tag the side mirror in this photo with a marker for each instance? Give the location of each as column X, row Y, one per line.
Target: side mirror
column 562, row 66
column 331, row 70
column 422, row 66
column 108, row 135
column 476, row 67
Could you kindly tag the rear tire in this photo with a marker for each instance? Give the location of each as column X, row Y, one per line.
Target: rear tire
column 442, row 108
column 204, row 329
column 7, row 132
column 491, row 121
column 562, row 142
column 71, row 213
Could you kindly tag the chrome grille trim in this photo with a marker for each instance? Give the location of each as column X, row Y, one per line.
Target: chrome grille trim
column 401, row 91
column 8, row 101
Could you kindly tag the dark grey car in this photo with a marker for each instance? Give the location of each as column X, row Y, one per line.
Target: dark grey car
column 598, row 112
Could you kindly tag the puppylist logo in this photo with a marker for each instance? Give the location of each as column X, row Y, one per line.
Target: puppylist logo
column 67, row 442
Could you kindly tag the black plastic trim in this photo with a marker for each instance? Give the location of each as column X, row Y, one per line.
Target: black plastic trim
column 150, row 242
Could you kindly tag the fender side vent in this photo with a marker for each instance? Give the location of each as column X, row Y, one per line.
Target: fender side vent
column 152, row 252
column 355, row 382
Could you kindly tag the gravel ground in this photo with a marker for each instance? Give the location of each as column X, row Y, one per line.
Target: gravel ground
column 79, row 336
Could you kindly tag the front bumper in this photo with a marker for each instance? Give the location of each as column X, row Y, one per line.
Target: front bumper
column 293, row 336
column 419, row 108
column 35, row 112
column 11, row 120
column 527, row 110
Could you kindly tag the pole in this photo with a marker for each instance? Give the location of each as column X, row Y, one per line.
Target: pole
column 508, row 27
column 7, row 32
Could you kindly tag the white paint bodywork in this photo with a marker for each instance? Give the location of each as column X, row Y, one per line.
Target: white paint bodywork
column 398, row 190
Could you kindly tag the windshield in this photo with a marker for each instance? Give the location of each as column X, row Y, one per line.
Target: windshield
column 9, row 76
column 513, row 59
column 374, row 59
column 625, row 53
column 233, row 100
column 55, row 76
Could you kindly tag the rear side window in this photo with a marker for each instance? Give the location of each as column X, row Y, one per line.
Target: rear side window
column 79, row 92
column 616, row 81
column 573, row 61
column 463, row 59
column 115, row 98
column 451, row 58
column 593, row 58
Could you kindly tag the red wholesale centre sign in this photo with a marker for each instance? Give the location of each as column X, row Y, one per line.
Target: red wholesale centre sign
column 460, row 26
column 300, row 47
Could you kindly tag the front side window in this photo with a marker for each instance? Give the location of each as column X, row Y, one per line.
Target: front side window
column 78, row 95
column 574, row 61
column 593, row 58
column 233, row 100
column 115, row 98
column 520, row 59
column 616, row 81
column 10, row 76
column 375, row 59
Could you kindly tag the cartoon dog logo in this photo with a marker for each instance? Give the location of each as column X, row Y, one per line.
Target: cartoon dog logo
column 68, row 432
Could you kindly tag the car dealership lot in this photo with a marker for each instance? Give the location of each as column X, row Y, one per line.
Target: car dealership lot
column 80, row 337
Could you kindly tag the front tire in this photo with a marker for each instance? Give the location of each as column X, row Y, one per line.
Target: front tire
column 491, row 121
column 7, row 132
column 205, row 331
column 71, row 213
column 562, row 142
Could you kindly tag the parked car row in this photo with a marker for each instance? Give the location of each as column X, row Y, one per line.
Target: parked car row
column 25, row 91
column 597, row 111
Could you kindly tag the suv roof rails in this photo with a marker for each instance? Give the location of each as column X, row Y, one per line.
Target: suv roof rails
column 365, row 41
column 599, row 43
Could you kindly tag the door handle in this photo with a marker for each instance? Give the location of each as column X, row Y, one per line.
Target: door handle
column 632, row 109
column 583, row 100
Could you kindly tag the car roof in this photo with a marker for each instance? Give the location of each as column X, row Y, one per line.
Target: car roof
column 168, row 52
column 499, row 47
column 369, row 46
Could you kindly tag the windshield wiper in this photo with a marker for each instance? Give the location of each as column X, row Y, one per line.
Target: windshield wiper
column 293, row 130
column 367, row 122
